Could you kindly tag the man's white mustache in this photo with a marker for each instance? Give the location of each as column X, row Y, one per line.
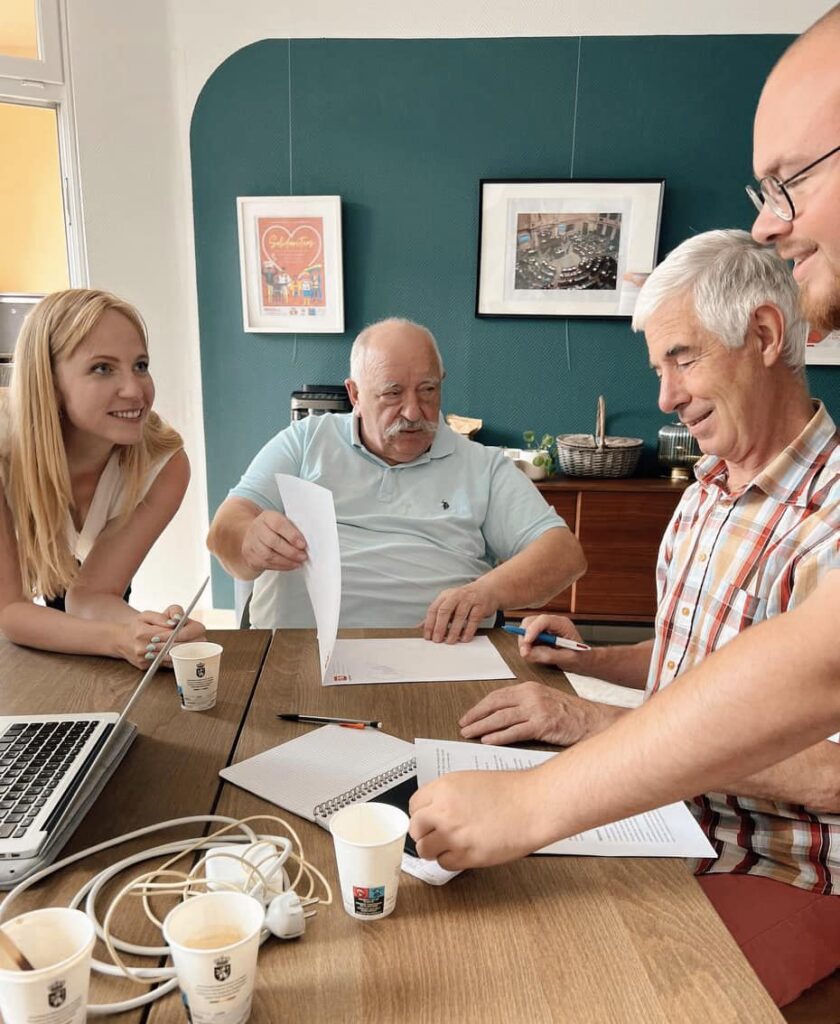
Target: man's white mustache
column 402, row 424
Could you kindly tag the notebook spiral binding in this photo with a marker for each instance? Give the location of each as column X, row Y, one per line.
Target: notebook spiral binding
column 365, row 790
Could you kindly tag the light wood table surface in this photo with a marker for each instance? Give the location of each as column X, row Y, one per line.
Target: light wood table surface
column 564, row 939
column 170, row 770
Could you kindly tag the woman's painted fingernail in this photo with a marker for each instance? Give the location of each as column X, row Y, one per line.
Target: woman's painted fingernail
column 171, row 622
column 149, row 657
column 155, row 640
column 150, row 647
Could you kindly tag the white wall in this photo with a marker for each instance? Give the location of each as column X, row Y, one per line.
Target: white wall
column 137, row 71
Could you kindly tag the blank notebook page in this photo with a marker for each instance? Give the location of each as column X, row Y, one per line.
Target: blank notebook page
column 319, row 766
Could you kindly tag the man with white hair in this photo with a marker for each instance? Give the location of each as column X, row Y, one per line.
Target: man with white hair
column 423, row 514
column 751, row 539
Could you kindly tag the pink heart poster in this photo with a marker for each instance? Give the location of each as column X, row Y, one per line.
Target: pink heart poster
column 292, row 262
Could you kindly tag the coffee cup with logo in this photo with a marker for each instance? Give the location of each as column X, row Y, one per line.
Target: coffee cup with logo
column 214, row 939
column 58, row 943
column 369, row 840
column 197, row 674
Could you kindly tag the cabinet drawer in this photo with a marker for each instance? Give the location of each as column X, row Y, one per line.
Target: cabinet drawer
column 621, row 541
column 566, row 507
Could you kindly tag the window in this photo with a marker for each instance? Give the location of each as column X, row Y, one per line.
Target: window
column 41, row 246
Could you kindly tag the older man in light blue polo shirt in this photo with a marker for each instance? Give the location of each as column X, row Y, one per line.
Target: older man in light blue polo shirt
column 423, row 514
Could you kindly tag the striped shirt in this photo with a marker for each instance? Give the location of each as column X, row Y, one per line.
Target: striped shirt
column 728, row 560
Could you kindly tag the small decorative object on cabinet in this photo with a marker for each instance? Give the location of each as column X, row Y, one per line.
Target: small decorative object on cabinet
column 619, row 524
column 677, row 450
column 596, row 454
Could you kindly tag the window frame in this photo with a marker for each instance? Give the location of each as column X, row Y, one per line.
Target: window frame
column 47, row 83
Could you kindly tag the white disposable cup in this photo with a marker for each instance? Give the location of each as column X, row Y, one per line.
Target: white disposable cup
column 197, row 674
column 58, row 942
column 369, row 840
column 214, row 940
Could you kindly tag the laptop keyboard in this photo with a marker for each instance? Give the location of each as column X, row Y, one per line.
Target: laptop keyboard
column 34, row 759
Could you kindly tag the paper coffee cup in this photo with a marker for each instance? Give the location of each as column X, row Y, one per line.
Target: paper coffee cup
column 197, row 674
column 58, row 942
column 214, row 940
column 369, row 840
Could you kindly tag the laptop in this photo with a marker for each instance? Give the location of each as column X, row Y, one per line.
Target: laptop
column 53, row 767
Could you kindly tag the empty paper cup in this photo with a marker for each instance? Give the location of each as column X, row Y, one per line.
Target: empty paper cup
column 58, row 942
column 369, row 840
column 214, row 940
column 197, row 674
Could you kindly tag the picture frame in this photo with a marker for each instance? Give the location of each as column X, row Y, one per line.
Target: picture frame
column 560, row 247
column 290, row 264
column 822, row 349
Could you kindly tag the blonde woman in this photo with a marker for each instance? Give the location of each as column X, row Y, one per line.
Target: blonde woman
column 89, row 478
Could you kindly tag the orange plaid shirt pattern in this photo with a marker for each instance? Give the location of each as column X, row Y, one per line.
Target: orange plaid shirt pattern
column 729, row 560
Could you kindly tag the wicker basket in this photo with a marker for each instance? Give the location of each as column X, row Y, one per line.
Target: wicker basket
column 588, row 455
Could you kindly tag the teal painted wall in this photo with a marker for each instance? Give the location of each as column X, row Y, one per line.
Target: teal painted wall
column 403, row 130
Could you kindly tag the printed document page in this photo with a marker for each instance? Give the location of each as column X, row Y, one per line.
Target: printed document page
column 392, row 660
column 666, row 832
column 414, row 660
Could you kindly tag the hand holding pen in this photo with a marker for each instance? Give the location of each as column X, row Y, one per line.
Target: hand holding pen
column 552, row 640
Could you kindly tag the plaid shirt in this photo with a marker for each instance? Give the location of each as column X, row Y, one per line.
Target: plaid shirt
column 728, row 560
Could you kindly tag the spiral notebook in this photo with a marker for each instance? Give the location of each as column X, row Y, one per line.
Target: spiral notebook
column 317, row 774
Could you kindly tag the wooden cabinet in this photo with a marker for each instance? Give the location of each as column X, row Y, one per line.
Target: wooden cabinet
column 619, row 524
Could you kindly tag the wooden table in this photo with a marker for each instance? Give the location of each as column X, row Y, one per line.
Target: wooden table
column 545, row 939
column 170, row 771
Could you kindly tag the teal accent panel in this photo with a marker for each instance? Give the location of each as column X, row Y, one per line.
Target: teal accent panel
column 403, row 130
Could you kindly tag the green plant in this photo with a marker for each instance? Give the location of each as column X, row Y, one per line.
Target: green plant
column 545, row 447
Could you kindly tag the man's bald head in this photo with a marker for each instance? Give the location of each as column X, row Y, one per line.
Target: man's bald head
column 798, row 122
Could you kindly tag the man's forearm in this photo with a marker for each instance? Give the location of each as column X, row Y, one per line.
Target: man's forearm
column 547, row 566
column 224, row 540
column 766, row 695
column 810, row 778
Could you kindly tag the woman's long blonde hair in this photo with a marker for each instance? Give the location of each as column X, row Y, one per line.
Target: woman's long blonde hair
column 38, row 482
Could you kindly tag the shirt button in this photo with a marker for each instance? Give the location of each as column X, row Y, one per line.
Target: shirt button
column 672, row 665
column 685, row 611
column 703, row 557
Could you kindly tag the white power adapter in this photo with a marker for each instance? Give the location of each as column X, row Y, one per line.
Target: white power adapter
column 231, row 865
column 224, row 867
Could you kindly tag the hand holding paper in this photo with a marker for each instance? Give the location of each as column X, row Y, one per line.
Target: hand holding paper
column 389, row 660
column 491, row 811
column 273, row 542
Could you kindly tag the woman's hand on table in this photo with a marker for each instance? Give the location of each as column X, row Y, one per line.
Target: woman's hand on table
column 143, row 635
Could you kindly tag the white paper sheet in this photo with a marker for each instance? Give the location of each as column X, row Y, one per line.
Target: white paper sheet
column 605, row 693
column 393, row 660
column 311, row 508
column 669, row 831
column 414, row 660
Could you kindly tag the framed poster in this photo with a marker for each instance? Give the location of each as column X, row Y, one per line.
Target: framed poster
column 823, row 349
column 561, row 248
column 290, row 264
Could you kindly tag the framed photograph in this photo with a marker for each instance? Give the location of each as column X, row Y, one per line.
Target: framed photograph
column 823, row 349
column 560, row 248
column 290, row 264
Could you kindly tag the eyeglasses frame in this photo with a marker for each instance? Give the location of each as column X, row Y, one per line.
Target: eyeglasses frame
column 758, row 197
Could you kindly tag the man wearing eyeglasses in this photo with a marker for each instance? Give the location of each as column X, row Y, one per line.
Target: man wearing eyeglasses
column 769, row 693
column 797, row 161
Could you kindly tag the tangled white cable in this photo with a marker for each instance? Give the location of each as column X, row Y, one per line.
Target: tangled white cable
column 242, row 861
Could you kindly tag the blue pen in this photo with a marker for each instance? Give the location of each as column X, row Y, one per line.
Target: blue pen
column 550, row 639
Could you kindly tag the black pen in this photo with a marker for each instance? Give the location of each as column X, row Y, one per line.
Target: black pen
column 325, row 720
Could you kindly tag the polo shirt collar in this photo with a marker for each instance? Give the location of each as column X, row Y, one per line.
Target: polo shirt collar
column 443, row 444
column 785, row 479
